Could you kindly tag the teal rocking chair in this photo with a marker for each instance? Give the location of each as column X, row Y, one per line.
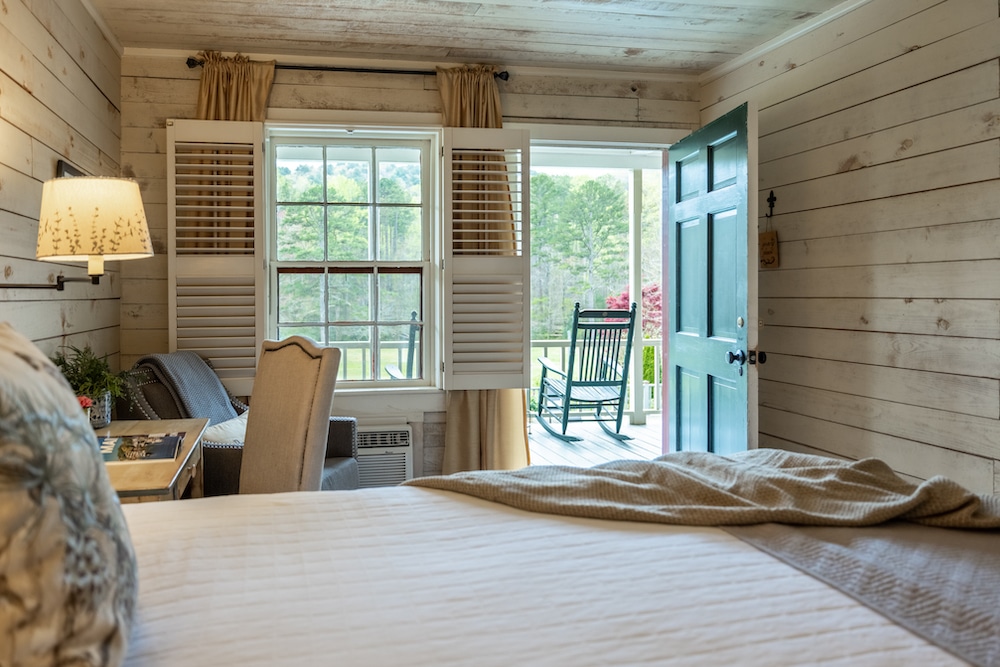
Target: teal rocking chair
column 593, row 385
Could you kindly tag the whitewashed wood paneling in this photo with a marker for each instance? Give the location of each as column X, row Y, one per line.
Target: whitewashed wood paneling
column 882, row 323
column 954, row 393
column 818, row 43
column 648, row 36
column 60, row 86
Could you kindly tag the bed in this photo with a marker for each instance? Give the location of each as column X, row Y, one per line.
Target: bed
column 411, row 576
column 543, row 566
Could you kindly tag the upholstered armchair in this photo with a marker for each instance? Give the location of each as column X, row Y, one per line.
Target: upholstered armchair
column 182, row 384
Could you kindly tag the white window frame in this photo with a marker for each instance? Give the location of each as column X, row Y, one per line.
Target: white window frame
column 323, row 134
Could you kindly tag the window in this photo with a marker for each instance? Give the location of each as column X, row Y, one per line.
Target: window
column 349, row 247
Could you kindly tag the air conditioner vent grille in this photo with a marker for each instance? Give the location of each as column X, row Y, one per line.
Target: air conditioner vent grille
column 383, row 438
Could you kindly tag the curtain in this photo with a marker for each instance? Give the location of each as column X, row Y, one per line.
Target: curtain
column 234, row 88
column 486, row 429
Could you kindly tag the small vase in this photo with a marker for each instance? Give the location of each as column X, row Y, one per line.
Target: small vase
column 100, row 411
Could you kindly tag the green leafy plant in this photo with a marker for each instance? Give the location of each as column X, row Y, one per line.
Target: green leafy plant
column 89, row 374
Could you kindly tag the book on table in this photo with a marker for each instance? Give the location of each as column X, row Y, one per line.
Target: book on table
column 144, row 447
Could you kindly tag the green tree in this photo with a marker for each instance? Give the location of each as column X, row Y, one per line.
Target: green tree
column 550, row 194
column 579, row 245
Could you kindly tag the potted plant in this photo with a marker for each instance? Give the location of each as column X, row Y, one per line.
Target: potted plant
column 90, row 376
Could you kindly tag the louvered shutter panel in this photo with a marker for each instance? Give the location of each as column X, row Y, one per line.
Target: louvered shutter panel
column 487, row 296
column 216, row 244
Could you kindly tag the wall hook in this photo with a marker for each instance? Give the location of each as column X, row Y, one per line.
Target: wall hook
column 770, row 205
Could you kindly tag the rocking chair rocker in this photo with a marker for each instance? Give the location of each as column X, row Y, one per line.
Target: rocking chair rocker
column 596, row 377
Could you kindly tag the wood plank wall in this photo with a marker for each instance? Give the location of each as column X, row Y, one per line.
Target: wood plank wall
column 880, row 137
column 157, row 87
column 59, row 99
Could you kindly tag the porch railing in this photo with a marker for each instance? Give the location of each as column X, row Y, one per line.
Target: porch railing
column 647, row 400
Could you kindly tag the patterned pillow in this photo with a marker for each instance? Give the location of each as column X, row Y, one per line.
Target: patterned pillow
column 67, row 568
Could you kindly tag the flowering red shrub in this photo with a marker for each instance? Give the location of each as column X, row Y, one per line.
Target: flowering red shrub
column 652, row 308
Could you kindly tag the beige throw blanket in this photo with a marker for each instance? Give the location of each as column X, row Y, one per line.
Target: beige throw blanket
column 757, row 486
column 941, row 584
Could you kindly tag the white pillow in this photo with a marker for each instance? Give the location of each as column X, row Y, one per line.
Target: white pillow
column 230, row 432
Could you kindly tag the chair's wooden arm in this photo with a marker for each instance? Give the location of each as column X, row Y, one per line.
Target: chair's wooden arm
column 548, row 364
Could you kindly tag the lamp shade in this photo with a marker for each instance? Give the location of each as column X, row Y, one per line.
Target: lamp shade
column 93, row 219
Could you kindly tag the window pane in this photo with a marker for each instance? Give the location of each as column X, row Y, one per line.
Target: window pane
column 300, row 173
column 315, row 333
column 348, row 233
column 399, row 234
column 348, row 174
column 395, row 354
column 300, row 233
column 300, row 297
column 355, row 343
column 350, row 297
column 398, row 175
column 399, row 297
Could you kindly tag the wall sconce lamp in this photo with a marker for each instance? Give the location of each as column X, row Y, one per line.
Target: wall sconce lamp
column 93, row 219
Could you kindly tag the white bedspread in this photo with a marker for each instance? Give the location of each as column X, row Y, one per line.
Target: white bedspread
column 421, row 577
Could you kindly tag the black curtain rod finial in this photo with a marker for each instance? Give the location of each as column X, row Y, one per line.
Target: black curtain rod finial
column 193, row 62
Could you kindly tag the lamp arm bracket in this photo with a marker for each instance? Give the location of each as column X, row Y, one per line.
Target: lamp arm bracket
column 60, row 284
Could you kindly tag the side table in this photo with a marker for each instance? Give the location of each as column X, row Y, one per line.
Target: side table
column 150, row 481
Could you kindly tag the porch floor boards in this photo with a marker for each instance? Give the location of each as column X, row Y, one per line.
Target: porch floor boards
column 596, row 446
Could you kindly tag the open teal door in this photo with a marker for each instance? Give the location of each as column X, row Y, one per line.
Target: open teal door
column 711, row 275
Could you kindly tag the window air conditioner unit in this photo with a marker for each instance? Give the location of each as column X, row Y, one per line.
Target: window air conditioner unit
column 385, row 455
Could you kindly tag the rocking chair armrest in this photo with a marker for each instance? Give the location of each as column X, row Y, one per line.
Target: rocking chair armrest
column 548, row 364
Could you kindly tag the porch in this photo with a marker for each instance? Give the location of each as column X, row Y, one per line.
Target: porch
column 596, row 446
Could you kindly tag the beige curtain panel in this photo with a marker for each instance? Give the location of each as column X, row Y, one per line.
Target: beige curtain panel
column 486, row 429
column 234, row 88
column 470, row 97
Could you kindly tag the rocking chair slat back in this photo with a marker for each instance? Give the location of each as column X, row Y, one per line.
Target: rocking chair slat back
column 596, row 377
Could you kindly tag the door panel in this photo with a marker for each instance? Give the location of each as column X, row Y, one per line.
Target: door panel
column 691, row 422
column 722, row 292
column 707, row 318
column 690, row 284
column 728, row 406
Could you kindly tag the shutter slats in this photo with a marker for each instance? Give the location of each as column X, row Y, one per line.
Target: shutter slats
column 216, row 235
column 215, row 196
column 487, row 332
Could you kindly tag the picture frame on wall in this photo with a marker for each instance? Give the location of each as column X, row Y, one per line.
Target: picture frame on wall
column 64, row 168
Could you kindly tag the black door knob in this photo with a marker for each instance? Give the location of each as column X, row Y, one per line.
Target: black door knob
column 738, row 356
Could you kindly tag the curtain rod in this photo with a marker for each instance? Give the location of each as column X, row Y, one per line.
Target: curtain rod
column 193, row 62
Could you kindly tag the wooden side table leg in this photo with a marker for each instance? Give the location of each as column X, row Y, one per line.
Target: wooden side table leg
column 198, row 479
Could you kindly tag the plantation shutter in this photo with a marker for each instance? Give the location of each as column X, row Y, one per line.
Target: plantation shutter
column 487, row 296
column 215, row 236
